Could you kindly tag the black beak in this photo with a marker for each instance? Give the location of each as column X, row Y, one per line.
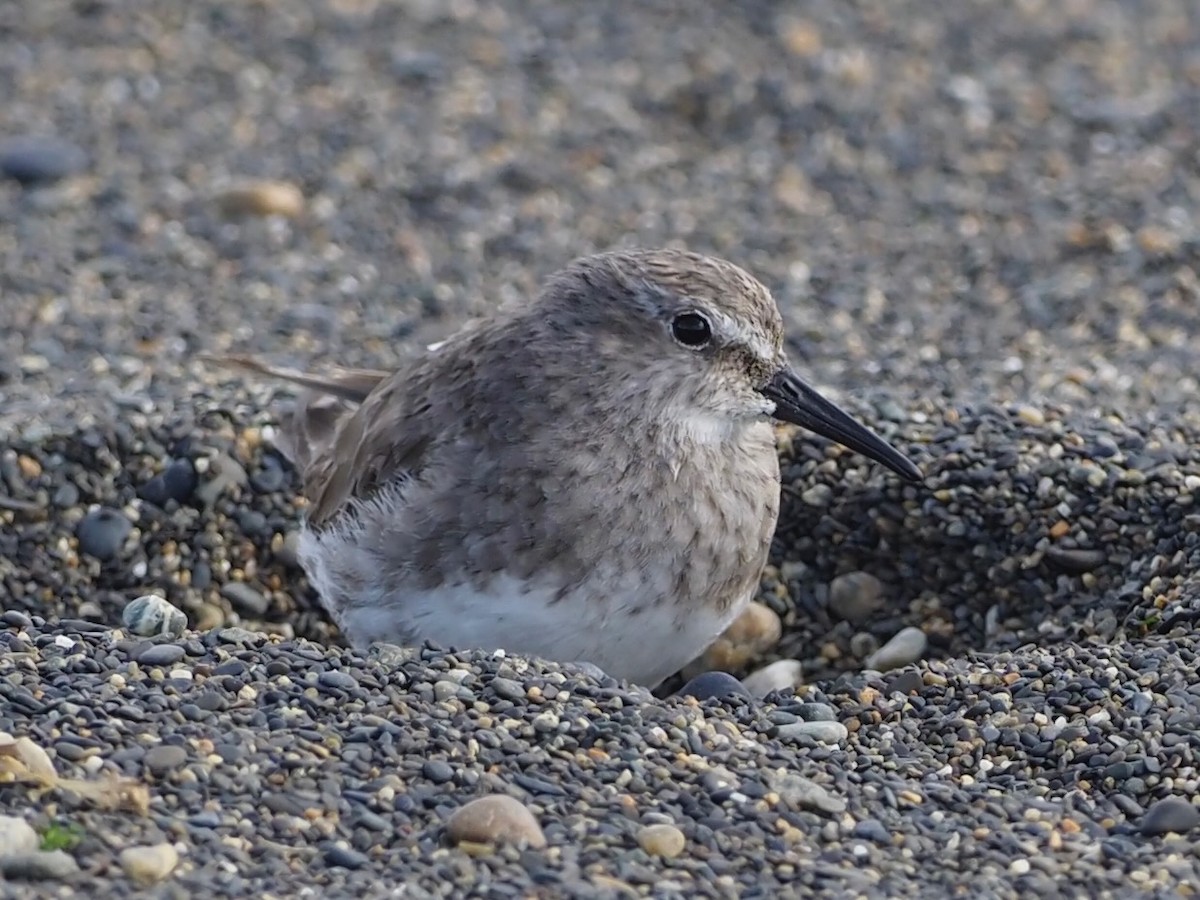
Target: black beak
column 799, row 404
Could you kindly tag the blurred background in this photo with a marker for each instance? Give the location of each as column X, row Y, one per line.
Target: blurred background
column 977, row 201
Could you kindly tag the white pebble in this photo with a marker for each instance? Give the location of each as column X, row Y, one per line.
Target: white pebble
column 905, row 648
column 783, row 674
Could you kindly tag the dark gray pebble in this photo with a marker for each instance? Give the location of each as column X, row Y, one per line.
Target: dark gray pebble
column 1171, row 814
column 176, row 482
column 161, row 655
column 34, row 159
column 339, row 680
column 39, row 866
column 437, row 771
column 102, row 533
column 66, row 496
column 270, row 478
column 909, row 682
column 873, row 830
column 16, row 619
column 507, row 689
column 345, row 857
column 246, row 599
column 1076, row 561
column 713, row 686
column 208, row 818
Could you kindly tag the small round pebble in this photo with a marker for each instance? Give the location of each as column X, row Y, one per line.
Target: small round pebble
column 662, row 840
column 150, row 864
column 1171, row 814
column 713, row 686
column 152, row 615
column 855, row 596
column 497, row 818
column 906, row 647
column 102, row 533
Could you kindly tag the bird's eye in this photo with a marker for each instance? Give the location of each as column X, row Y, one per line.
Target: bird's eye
column 692, row 330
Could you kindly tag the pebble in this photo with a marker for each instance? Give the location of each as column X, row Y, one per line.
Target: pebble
column 906, row 647
column 662, row 840
column 819, row 495
column 1171, row 814
column 149, row 864
column 261, row 198
column 755, row 631
column 713, row 686
column 17, row 836
column 35, row 159
column 176, row 482
column 825, row 732
column 438, row 771
column 781, row 675
column 161, row 655
column 246, row 599
column 341, row 681
column 346, row 857
column 812, row 711
column 1076, row 561
column 42, row 865
column 803, row 793
column 102, row 533
column 855, row 596
column 497, row 818
column 151, row 615
column 507, row 689
column 164, row 759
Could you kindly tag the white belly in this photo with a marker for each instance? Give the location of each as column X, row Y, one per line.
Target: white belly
column 599, row 623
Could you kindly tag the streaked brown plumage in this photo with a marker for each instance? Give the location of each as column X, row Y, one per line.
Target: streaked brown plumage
column 579, row 477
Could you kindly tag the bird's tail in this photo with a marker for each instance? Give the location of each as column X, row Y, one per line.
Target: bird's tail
column 310, row 425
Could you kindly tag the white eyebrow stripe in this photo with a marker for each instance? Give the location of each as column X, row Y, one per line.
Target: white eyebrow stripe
column 727, row 325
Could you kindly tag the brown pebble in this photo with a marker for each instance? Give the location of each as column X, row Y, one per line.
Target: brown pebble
column 496, row 819
column 666, row 841
column 30, row 467
column 1156, row 241
column 751, row 635
column 261, row 198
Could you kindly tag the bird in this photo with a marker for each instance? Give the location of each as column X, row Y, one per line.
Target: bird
column 587, row 476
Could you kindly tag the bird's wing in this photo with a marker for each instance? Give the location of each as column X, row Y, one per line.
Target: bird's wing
column 385, row 438
column 349, row 432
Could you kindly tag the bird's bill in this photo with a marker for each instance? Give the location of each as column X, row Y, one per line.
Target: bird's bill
column 801, row 405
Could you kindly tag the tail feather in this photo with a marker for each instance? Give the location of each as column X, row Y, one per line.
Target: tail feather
column 310, row 425
column 352, row 385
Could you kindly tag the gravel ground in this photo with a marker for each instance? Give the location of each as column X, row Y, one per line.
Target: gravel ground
column 979, row 219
